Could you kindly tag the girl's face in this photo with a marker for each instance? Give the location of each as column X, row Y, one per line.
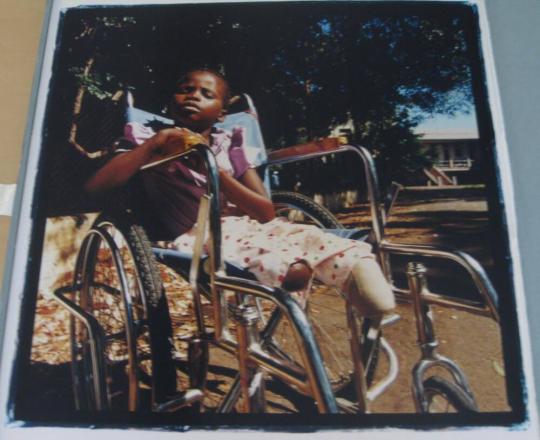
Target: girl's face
column 197, row 103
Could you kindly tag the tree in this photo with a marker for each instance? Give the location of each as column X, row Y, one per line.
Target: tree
column 320, row 65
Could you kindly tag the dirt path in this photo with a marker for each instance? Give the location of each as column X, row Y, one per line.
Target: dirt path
column 460, row 221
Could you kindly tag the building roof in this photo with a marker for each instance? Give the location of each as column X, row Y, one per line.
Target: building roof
column 447, row 134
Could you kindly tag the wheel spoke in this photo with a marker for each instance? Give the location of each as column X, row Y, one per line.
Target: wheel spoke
column 112, row 274
column 109, row 289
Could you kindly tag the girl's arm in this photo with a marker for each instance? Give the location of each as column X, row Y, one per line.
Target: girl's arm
column 248, row 194
column 122, row 167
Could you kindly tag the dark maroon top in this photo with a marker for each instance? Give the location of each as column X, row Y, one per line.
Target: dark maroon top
column 166, row 199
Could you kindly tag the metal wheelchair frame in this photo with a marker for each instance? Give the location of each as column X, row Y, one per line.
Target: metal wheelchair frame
column 418, row 293
column 252, row 347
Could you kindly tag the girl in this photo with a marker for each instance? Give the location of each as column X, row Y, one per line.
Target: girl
column 277, row 252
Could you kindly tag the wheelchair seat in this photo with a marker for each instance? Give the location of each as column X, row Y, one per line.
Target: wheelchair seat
column 181, row 261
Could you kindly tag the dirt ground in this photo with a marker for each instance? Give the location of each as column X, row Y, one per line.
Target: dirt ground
column 456, row 218
column 425, row 216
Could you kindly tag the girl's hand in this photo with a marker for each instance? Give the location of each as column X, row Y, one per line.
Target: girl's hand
column 237, row 155
column 173, row 141
column 153, row 151
column 248, row 194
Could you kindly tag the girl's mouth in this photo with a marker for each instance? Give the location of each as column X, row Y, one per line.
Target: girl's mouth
column 190, row 108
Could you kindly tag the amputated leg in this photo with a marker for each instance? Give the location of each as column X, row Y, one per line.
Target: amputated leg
column 298, row 280
column 298, row 276
column 367, row 289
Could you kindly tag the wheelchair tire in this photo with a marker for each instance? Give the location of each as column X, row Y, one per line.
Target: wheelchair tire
column 321, row 216
column 334, row 346
column 130, row 305
column 443, row 396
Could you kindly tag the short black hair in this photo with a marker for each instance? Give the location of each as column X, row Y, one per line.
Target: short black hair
column 227, row 92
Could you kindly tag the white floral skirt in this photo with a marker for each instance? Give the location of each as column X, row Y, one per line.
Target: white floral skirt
column 268, row 249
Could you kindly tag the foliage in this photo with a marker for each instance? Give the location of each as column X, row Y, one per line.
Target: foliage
column 321, row 64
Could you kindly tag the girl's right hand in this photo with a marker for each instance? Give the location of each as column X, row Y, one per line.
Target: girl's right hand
column 172, row 142
column 153, row 151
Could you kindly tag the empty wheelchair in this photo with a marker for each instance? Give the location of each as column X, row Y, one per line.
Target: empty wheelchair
column 123, row 347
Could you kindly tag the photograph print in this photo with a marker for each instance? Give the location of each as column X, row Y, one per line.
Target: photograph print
column 250, row 214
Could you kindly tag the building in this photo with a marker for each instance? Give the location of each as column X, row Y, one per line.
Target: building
column 454, row 151
column 453, row 144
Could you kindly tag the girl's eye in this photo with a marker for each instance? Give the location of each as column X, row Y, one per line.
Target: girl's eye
column 183, row 89
column 208, row 94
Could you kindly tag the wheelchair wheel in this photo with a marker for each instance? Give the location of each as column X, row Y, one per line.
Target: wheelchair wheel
column 327, row 314
column 443, row 396
column 293, row 204
column 332, row 333
column 118, row 284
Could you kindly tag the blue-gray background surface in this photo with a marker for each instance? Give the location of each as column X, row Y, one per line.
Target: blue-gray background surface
column 515, row 35
column 515, row 26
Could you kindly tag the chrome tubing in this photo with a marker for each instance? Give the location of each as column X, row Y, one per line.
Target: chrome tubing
column 251, row 377
column 474, row 269
column 359, row 369
column 419, row 371
column 227, row 404
column 291, row 373
column 217, row 267
column 284, row 205
column 86, row 257
column 416, row 275
column 391, row 199
column 393, row 370
column 82, row 257
column 130, row 332
column 427, row 340
column 377, row 214
column 202, row 217
column 185, row 398
column 96, row 342
column 373, row 191
column 319, row 383
column 403, row 295
column 215, row 208
column 214, row 240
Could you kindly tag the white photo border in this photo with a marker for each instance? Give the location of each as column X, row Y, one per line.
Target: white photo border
column 18, row 259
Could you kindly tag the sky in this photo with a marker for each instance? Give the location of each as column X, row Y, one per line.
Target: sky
column 460, row 122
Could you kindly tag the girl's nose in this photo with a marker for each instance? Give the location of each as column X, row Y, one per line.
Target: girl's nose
column 196, row 94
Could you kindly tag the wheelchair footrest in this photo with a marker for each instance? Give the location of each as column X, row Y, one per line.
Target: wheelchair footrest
column 346, row 406
column 182, row 399
column 390, row 319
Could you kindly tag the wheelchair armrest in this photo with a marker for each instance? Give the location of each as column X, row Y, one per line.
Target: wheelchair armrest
column 289, row 154
column 338, row 145
column 470, row 264
column 390, row 199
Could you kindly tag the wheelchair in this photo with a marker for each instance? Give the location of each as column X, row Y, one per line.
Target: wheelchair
column 121, row 325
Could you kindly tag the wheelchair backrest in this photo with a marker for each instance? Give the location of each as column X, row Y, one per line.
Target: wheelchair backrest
column 244, row 115
column 253, row 141
column 247, row 118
